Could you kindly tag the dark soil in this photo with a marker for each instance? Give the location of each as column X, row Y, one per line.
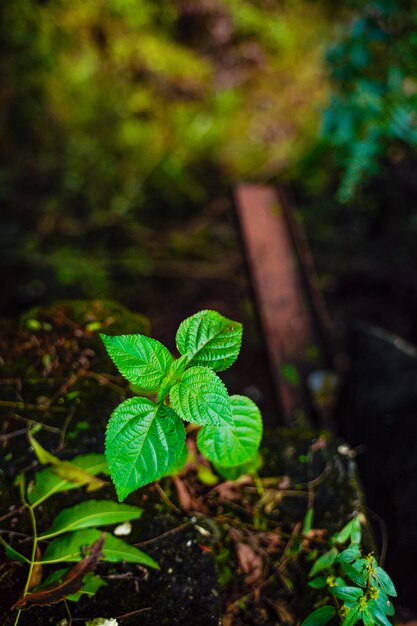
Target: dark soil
column 194, row 530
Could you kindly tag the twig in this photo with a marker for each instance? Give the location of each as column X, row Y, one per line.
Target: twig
column 384, row 534
column 11, row 513
column 29, row 421
column 35, row 407
column 124, row 616
column 15, row 433
column 167, row 533
column 165, row 498
column 63, row 430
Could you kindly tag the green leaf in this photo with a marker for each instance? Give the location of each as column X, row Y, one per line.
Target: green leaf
column 356, row 533
column 357, row 576
column 91, row 585
column 384, row 581
column 308, row 521
column 384, row 603
column 350, row 554
column 352, row 617
column 70, row 548
column 379, row 616
column 233, row 473
column 200, row 397
column 319, row 617
column 44, row 457
column 324, row 561
column 212, row 340
column 367, row 617
column 347, row 593
column 47, row 482
column 175, row 371
column 343, row 535
column 13, row 554
column 66, row 469
column 141, row 360
column 89, row 514
column 228, row 447
column 143, row 442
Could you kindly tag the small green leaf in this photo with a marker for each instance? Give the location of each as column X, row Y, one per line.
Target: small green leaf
column 352, row 617
column 308, row 521
column 200, row 397
column 65, row 469
column 13, row 554
column 89, row 514
column 359, row 577
column 347, row 593
column 70, row 548
column 384, row 581
column 356, row 533
column 343, row 535
column 143, row 442
column 212, row 340
column 227, row 447
column 141, row 360
column 44, row 457
column 175, row 371
column 383, row 603
column 367, row 617
column 378, row 616
column 47, row 482
column 324, row 561
column 91, row 584
column 350, row 554
column 319, row 617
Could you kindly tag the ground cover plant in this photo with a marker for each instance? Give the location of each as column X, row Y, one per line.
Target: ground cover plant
column 73, row 536
column 357, row 588
column 145, row 438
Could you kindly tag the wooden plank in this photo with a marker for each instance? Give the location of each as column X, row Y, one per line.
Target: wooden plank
column 278, row 285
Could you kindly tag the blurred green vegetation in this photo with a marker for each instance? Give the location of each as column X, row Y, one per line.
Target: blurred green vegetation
column 371, row 120
column 125, row 124
column 120, row 115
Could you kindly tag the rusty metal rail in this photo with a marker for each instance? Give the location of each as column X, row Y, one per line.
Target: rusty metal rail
column 293, row 314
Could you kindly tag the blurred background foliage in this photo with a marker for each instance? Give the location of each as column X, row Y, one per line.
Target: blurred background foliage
column 125, row 123
column 121, row 115
column 372, row 114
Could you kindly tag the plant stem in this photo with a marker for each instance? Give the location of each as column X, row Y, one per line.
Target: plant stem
column 32, row 558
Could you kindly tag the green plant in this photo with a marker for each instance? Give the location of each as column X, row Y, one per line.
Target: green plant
column 356, row 587
column 371, row 114
column 73, row 536
column 145, row 438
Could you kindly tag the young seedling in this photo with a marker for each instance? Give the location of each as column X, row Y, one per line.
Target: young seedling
column 145, row 438
column 358, row 589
